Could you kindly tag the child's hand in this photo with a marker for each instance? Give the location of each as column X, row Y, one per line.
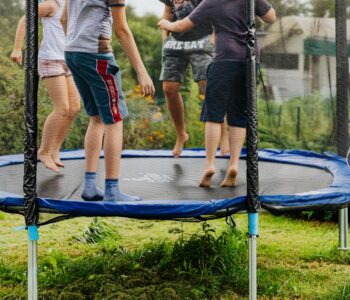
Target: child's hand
column 138, row 90
column 16, row 56
column 165, row 25
column 146, row 83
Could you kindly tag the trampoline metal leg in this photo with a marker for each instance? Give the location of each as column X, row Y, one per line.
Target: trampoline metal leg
column 344, row 229
column 33, row 237
column 253, row 235
column 252, row 268
column 32, row 270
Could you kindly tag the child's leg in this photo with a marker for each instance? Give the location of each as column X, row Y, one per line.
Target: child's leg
column 58, row 92
column 93, row 146
column 73, row 110
column 176, row 108
column 224, row 143
column 236, row 140
column 212, row 139
column 113, row 143
column 224, row 147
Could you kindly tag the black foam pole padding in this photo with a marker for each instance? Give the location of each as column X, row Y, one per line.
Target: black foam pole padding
column 252, row 128
column 342, row 123
column 31, row 211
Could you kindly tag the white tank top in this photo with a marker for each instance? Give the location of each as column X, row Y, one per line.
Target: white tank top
column 52, row 45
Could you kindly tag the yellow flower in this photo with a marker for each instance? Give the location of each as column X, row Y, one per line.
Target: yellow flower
column 150, row 100
column 138, row 89
column 157, row 116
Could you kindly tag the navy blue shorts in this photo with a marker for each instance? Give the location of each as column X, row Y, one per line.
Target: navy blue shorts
column 226, row 94
column 98, row 79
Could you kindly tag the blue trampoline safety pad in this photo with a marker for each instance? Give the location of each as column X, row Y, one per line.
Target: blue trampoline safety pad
column 334, row 197
column 147, row 209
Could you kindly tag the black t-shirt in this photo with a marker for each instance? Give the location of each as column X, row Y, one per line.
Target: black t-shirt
column 183, row 8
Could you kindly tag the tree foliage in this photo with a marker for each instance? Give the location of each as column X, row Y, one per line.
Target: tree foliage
column 315, row 8
column 289, row 7
column 322, row 8
column 11, row 8
column 10, row 12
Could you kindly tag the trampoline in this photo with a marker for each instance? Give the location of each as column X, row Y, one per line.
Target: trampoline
column 289, row 181
column 285, row 180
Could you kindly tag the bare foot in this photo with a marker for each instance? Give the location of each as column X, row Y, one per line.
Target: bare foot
column 230, row 179
column 47, row 160
column 179, row 146
column 207, row 177
column 224, row 145
column 56, row 159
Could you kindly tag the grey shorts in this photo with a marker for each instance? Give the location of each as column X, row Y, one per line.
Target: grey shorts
column 177, row 55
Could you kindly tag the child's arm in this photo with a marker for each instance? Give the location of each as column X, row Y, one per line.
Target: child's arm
column 127, row 42
column 167, row 15
column 46, row 9
column 212, row 38
column 64, row 17
column 178, row 26
column 269, row 17
column 16, row 55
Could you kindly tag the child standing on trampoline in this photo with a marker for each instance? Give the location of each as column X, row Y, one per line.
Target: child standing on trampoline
column 225, row 91
column 180, row 50
column 57, row 79
column 88, row 52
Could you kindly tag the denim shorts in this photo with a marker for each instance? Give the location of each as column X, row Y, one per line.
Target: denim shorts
column 98, row 80
column 226, row 94
column 52, row 68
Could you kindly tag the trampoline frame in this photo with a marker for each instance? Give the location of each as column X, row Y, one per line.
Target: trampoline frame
column 338, row 191
column 30, row 151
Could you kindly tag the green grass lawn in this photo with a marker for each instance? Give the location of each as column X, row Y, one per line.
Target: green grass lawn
column 119, row 258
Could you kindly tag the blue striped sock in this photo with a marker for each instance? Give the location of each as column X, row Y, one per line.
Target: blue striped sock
column 113, row 193
column 91, row 192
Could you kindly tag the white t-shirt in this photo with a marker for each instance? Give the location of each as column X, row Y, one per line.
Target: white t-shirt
column 52, row 45
column 88, row 22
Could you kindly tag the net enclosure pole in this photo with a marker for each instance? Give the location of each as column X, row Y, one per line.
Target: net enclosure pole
column 30, row 147
column 253, row 202
column 342, row 125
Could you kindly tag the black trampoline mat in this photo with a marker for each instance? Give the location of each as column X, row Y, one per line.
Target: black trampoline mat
column 168, row 178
